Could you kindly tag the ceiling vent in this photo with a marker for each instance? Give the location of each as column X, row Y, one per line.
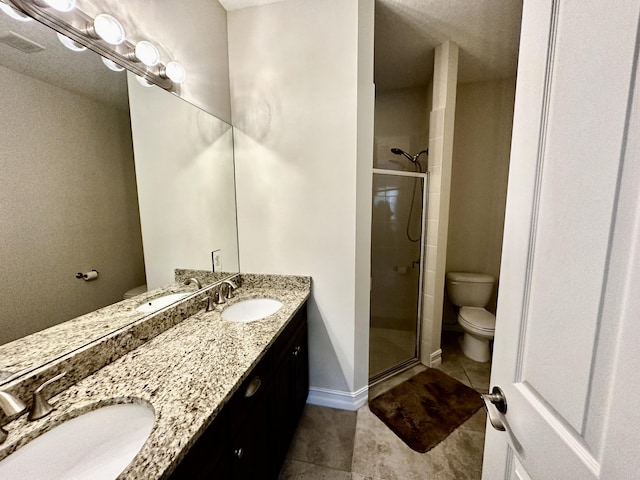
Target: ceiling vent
column 20, row 43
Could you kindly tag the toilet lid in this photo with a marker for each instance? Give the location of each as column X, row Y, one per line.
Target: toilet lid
column 478, row 318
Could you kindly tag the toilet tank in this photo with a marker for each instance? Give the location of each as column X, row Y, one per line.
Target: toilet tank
column 469, row 289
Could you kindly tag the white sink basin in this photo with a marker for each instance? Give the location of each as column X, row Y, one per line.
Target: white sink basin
column 159, row 303
column 251, row 310
column 97, row 445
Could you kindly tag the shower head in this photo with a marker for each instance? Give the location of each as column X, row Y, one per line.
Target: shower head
column 412, row 158
column 397, row 151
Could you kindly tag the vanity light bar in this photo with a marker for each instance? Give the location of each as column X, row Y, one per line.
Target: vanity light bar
column 104, row 35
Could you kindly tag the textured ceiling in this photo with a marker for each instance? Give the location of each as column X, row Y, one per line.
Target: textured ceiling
column 407, row 32
column 79, row 72
column 238, row 4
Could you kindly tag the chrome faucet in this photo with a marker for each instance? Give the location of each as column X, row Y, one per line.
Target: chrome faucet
column 11, row 406
column 231, row 287
column 189, row 281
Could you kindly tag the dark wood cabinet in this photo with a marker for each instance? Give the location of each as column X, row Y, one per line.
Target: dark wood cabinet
column 291, row 385
column 250, row 437
column 205, row 460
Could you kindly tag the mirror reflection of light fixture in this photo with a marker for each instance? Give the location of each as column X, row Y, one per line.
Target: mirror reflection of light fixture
column 143, row 81
column 145, row 52
column 59, row 5
column 15, row 14
column 107, row 28
column 71, row 44
column 111, row 65
column 174, row 71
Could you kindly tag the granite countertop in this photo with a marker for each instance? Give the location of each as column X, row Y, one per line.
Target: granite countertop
column 185, row 374
column 41, row 347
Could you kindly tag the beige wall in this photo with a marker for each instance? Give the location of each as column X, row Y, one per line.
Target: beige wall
column 484, row 115
column 402, row 121
column 193, row 33
column 67, row 204
column 303, row 175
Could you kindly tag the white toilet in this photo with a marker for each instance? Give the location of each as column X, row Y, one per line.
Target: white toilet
column 471, row 292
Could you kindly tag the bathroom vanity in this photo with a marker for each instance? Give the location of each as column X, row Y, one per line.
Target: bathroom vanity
column 226, row 396
column 250, row 436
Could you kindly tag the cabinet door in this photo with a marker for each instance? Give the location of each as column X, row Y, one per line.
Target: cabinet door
column 250, row 455
column 208, row 458
column 300, row 372
column 248, row 412
column 291, row 386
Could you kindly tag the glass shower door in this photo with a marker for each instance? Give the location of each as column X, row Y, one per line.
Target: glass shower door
column 396, row 260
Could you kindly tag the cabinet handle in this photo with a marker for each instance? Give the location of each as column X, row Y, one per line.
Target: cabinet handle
column 253, row 387
column 239, row 453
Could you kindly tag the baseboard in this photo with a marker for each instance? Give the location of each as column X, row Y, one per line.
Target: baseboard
column 337, row 398
column 436, row 358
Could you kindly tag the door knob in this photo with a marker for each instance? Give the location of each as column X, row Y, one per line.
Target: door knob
column 499, row 401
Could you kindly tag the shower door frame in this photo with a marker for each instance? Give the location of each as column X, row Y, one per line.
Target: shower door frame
column 423, row 231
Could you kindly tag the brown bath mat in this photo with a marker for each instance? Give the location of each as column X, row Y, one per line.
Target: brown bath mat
column 425, row 409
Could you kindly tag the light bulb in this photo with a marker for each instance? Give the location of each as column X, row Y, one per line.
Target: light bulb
column 174, row 72
column 59, row 5
column 147, row 53
column 15, row 14
column 143, row 81
column 71, row 44
column 111, row 65
column 107, row 28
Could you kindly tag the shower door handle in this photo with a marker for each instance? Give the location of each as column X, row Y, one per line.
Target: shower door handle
column 495, row 400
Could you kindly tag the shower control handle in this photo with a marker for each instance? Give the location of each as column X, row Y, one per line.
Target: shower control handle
column 495, row 401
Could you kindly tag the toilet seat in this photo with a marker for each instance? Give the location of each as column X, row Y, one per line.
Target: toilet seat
column 477, row 319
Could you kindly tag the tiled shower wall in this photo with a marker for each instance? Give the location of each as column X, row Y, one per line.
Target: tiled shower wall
column 441, row 124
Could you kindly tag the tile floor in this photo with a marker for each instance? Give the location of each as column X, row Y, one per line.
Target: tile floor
column 335, row 444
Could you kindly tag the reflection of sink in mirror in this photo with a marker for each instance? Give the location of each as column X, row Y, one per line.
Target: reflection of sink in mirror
column 251, row 310
column 97, row 445
column 159, row 303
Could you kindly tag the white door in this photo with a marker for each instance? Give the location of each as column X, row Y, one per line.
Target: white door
column 567, row 345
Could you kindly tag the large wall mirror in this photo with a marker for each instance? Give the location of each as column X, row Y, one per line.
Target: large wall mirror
column 98, row 172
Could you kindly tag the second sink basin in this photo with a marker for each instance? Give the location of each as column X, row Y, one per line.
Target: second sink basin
column 159, row 303
column 251, row 310
column 97, row 445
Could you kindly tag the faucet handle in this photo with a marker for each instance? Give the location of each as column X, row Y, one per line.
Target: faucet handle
column 221, row 297
column 209, row 301
column 41, row 406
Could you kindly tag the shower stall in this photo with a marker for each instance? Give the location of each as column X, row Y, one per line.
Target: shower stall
column 397, row 230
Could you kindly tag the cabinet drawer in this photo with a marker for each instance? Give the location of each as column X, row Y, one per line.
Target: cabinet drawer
column 251, row 394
